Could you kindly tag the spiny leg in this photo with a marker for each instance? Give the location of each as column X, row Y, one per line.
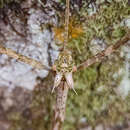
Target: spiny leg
column 23, row 58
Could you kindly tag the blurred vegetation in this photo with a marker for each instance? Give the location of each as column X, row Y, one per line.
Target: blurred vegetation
column 98, row 100
column 38, row 114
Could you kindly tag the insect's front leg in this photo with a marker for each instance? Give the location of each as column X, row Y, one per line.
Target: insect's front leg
column 24, row 59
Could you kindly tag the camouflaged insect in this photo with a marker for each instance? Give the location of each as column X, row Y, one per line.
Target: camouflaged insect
column 64, row 68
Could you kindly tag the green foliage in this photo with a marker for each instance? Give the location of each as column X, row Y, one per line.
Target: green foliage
column 97, row 99
column 96, row 94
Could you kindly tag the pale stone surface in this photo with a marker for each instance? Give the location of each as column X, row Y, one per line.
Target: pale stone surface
column 124, row 87
column 34, row 45
column 97, row 45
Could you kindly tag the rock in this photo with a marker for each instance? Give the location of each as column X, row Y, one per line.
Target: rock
column 35, row 44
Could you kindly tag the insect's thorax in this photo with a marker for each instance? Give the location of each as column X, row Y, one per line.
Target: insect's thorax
column 64, row 63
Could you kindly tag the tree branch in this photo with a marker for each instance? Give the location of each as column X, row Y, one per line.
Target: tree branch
column 22, row 58
column 100, row 56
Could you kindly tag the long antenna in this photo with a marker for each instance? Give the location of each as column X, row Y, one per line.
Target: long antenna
column 67, row 11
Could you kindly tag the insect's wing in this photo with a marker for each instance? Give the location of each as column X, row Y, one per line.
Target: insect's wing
column 69, row 80
column 57, row 80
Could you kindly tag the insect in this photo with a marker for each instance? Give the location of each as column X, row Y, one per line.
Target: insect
column 64, row 68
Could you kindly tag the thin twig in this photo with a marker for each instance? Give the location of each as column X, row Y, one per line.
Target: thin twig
column 22, row 58
column 100, row 56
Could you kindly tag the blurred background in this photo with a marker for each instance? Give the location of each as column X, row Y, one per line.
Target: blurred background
column 35, row 28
